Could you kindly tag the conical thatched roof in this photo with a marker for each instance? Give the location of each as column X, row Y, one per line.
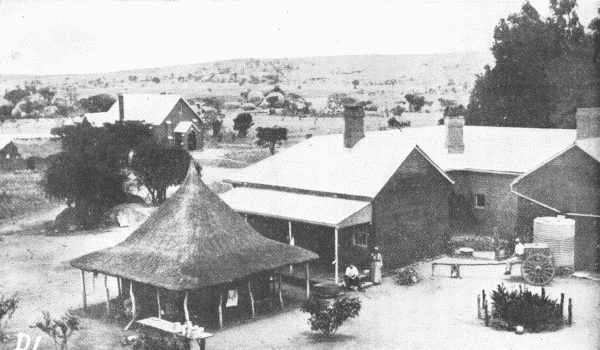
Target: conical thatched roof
column 192, row 241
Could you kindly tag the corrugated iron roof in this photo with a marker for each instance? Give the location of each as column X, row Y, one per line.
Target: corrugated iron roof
column 322, row 163
column 149, row 108
column 318, row 210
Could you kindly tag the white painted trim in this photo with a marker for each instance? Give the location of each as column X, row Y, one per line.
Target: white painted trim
column 534, row 201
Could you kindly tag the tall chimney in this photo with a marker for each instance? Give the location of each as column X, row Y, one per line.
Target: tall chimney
column 454, row 134
column 121, row 107
column 588, row 123
column 354, row 120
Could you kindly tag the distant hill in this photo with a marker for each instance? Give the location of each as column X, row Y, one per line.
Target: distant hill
column 384, row 79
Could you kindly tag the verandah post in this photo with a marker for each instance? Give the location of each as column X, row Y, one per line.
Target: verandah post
column 220, row 309
column 279, row 289
column 291, row 242
column 107, row 295
column 337, row 267
column 307, row 282
column 158, row 301
column 185, row 307
column 84, row 291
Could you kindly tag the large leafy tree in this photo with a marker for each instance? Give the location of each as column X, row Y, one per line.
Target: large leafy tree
column 540, row 73
column 242, row 124
column 270, row 137
column 97, row 103
column 159, row 167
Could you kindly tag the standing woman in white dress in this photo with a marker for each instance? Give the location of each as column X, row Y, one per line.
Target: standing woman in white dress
column 376, row 266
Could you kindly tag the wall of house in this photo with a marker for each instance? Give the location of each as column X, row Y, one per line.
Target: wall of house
column 500, row 209
column 180, row 112
column 411, row 214
column 569, row 183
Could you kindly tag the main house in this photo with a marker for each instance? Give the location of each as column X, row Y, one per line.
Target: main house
column 401, row 190
column 172, row 120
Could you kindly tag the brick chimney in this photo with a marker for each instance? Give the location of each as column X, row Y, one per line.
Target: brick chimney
column 454, row 134
column 588, row 123
column 354, row 120
column 121, row 107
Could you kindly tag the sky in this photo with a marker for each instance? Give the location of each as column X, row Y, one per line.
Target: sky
column 53, row 37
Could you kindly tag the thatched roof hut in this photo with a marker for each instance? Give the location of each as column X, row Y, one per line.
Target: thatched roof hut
column 192, row 241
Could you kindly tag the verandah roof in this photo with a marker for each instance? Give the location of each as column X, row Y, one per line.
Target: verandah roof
column 318, row 210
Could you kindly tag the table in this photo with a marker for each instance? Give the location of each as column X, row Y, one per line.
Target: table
column 166, row 326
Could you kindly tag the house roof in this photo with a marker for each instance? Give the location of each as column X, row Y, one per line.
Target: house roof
column 317, row 210
column 149, row 108
column 322, row 163
column 184, row 126
column 101, row 118
column 194, row 240
column 5, row 140
column 590, row 146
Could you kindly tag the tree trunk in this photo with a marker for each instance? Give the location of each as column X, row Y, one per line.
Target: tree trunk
column 272, row 148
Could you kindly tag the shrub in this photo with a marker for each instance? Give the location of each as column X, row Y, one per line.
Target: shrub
column 407, row 276
column 7, row 309
column 327, row 317
column 154, row 341
column 59, row 330
column 523, row 308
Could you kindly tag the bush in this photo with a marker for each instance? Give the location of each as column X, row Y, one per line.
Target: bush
column 59, row 330
column 327, row 317
column 7, row 309
column 523, row 308
column 242, row 124
column 154, row 341
column 407, row 276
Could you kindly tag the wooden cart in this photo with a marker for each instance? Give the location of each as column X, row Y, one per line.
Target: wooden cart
column 537, row 267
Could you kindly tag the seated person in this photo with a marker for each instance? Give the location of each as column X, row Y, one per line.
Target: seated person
column 351, row 278
column 517, row 256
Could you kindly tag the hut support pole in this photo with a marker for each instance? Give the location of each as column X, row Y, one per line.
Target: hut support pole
column 185, row 307
column 84, row 291
column 107, row 295
column 307, row 282
column 158, row 302
column 337, row 263
column 290, row 240
column 119, row 286
column 220, row 309
column 251, row 300
column 133, row 308
column 279, row 290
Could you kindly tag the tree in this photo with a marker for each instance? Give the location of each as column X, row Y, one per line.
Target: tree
column 8, row 306
column 242, row 124
column 398, row 110
column 355, row 82
column 542, row 71
column 60, row 330
column 16, row 96
column 97, row 103
column 455, row 111
column 217, row 126
column 159, row 167
column 415, row 102
column 270, row 137
column 393, row 123
column 47, row 93
column 156, row 80
column 215, row 102
column 327, row 318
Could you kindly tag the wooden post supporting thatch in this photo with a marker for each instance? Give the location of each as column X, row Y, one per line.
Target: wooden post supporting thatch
column 487, row 315
column 185, row 307
column 496, row 245
column 337, row 267
column 478, row 306
column 133, row 308
column 119, row 286
column 107, row 295
column 279, row 289
column 158, row 302
column 84, row 291
column 307, row 282
column 570, row 310
column 251, row 300
column 246, row 217
column 220, row 310
column 291, row 242
column 271, row 290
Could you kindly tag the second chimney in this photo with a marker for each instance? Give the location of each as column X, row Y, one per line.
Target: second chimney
column 454, row 134
column 121, row 107
column 354, row 120
column 588, row 123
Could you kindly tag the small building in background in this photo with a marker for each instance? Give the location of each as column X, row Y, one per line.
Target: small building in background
column 164, row 113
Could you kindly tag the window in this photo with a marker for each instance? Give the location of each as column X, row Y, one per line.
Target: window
column 360, row 238
column 479, row 201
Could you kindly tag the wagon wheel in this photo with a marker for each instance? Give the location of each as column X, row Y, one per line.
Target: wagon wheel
column 538, row 269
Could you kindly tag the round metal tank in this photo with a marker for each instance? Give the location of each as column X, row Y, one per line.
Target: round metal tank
column 559, row 234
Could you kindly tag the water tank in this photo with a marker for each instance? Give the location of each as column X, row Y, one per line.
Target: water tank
column 559, row 234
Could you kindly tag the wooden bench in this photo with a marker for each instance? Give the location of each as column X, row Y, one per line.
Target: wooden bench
column 455, row 266
column 167, row 327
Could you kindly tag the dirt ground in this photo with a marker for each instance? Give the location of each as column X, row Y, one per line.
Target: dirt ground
column 437, row 313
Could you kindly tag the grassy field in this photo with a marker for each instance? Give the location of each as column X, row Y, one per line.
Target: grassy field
column 20, row 194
